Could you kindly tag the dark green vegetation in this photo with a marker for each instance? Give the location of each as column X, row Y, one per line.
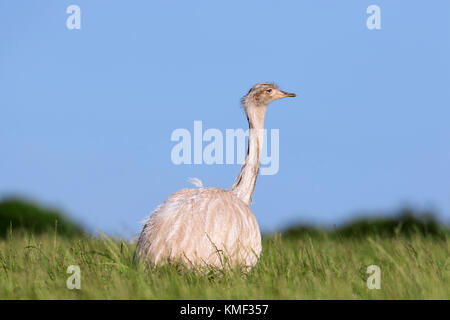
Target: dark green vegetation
column 18, row 214
column 412, row 253
column 406, row 222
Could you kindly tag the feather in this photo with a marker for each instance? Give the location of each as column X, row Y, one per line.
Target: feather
column 196, row 182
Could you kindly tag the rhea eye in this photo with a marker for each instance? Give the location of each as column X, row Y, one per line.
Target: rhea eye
column 269, row 90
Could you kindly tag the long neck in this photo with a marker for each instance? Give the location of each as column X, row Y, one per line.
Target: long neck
column 246, row 180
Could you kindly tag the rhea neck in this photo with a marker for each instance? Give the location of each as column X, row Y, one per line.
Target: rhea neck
column 246, row 180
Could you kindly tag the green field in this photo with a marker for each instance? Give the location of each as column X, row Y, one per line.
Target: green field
column 304, row 267
column 38, row 244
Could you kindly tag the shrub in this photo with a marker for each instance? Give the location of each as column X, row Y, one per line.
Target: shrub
column 19, row 214
column 406, row 222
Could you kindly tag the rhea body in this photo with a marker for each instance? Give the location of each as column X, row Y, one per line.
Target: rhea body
column 211, row 226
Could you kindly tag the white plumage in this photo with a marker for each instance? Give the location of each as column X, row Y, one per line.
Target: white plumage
column 211, row 226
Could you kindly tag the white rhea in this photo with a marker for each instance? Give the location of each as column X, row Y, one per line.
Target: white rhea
column 211, row 226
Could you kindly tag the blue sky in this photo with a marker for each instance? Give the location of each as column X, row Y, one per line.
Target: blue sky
column 86, row 115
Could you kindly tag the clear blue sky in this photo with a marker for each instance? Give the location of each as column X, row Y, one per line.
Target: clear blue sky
column 86, row 115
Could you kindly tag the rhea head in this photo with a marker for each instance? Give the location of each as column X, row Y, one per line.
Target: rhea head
column 261, row 94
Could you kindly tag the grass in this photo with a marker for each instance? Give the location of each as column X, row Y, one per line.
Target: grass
column 304, row 267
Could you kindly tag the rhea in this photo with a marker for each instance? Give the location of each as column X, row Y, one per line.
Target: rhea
column 212, row 226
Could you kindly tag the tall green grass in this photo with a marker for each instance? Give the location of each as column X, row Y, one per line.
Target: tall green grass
column 304, row 267
column 38, row 244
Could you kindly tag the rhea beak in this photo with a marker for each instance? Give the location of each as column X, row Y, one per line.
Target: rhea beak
column 287, row 94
